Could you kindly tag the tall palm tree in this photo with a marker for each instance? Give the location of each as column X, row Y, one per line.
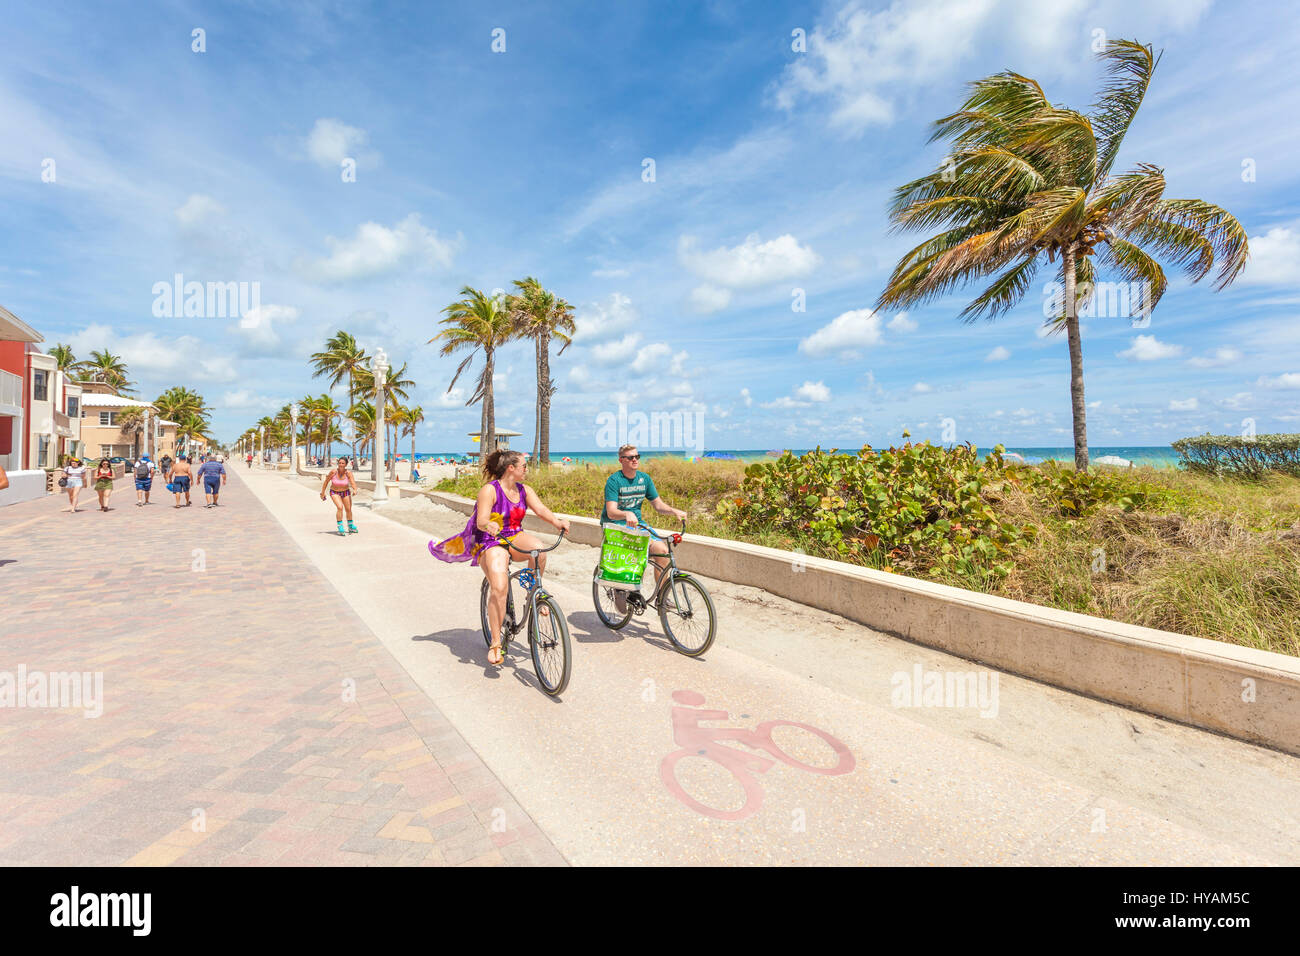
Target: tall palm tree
column 328, row 411
column 103, row 366
column 341, row 358
column 179, row 401
column 192, row 426
column 477, row 321
column 541, row 316
column 1027, row 182
column 407, row 418
column 395, row 385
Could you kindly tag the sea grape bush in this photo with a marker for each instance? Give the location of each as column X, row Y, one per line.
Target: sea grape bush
column 1240, row 457
column 918, row 508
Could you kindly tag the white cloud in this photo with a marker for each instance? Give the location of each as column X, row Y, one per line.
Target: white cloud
column 244, row 399
column 1182, row 405
column 999, row 354
column 809, row 393
column 709, row 298
column 1094, row 404
column 1274, row 258
column 1237, row 402
column 920, row 388
column 1216, row 359
column 1146, row 348
column 617, row 352
column 453, row 399
column 651, row 356
column 199, row 210
column 156, row 356
column 865, row 60
column 813, row 392
column 744, row 393
column 845, row 333
column 610, row 273
column 901, row 323
column 257, row 326
column 752, row 263
column 331, row 141
column 1285, row 380
column 602, row 321
column 377, row 249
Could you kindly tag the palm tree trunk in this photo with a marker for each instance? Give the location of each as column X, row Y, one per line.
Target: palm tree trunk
column 487, row 438
column 353, row 429
column 1078, row 407
column 544, row 398
column 541, row 388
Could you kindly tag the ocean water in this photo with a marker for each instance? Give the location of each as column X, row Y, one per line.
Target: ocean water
column 1158, row 456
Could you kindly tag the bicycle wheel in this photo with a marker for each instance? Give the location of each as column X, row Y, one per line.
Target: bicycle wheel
column 506, row 622
column 548, row 636
column 686, row 612
column 604, row 596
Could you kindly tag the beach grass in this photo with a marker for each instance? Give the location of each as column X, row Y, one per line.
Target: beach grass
column 1211, row 557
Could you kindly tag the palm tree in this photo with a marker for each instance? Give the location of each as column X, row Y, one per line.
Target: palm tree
column 1029, row 181
column 104, row 366
column 191, row 426
column 341, row 358
column 362, row 417
column 324, row 408
column 179, row 401
column 131, row 423
column 64, row 359
column 408, row 418
column 541, row 316
column 474, row 322
column 395, row 386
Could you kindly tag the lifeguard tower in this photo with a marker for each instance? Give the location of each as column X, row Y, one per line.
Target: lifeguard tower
column 503, row 440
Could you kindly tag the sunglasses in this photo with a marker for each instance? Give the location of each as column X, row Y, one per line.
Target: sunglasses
column 631, row 457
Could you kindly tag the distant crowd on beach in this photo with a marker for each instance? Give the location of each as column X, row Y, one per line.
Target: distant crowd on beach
column 178, row 474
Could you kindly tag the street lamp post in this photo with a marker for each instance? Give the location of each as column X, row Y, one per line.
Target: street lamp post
column 379, row 365
column 293, row 438
column 261, row 445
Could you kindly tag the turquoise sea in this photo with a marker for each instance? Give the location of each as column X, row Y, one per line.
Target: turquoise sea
column 1158, row 456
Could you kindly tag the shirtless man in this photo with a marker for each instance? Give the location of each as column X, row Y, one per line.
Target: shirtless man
column 180, row 478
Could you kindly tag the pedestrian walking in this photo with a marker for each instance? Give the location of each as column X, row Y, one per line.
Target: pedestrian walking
column 341, row 487
column 104, row 482
column 143, row 472
column 73, row 480
column 213, row 475
column 178, row 481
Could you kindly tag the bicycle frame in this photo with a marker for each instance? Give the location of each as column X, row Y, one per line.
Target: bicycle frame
column 667, row 576
column 533, row 592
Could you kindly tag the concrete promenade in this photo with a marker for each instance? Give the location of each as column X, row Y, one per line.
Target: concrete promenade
column 249, row 716
column 275, row 693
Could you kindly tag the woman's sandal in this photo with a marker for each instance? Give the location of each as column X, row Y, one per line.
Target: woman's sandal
column 501, row 656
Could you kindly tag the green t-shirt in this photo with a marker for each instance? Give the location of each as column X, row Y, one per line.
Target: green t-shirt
column 628, row 493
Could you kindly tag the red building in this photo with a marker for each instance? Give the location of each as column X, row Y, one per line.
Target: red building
column 16, row 339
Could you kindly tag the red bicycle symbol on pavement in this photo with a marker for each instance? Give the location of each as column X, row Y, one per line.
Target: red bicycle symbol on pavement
column 704, row 742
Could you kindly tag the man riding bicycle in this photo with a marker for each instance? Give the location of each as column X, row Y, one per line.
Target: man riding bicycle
column 625, row 491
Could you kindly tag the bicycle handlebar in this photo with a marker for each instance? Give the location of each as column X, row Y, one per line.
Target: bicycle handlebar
column 654, row 532
column 534, row 553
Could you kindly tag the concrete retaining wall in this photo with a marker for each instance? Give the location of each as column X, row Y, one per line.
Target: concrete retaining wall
column 24, row 486
column 1244, row 693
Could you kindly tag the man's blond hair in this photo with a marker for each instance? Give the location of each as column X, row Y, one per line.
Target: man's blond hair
column 625, row 449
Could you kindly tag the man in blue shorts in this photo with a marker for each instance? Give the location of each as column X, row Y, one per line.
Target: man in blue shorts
column 213, row 475
column 625, row 491
column 143, row 472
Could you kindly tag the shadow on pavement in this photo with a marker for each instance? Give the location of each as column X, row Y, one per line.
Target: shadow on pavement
column 469, row 648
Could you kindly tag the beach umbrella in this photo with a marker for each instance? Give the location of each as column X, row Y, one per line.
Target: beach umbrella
column 1113, row 460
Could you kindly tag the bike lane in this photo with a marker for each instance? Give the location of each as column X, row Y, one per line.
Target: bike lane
column 613, row 773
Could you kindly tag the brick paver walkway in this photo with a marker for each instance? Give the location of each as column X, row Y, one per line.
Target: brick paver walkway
column 249, row 716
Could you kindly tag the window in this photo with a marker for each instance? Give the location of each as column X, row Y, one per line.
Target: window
column 108, row 418
column 40, row 385
column 43, row 454
column 106, row 451
column 74, row 409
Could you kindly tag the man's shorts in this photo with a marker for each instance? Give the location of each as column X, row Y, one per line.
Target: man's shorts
column 181, row 483
column 211, row 487
column 145, row 485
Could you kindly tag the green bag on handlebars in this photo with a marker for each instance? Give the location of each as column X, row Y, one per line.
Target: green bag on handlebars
column 623, row 557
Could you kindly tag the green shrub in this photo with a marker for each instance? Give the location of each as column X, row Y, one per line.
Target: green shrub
column 1240, row 457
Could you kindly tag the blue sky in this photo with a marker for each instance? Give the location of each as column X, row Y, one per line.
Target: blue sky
column 773, row 169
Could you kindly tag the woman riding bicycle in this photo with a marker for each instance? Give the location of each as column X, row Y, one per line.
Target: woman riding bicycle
column 498, row 520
